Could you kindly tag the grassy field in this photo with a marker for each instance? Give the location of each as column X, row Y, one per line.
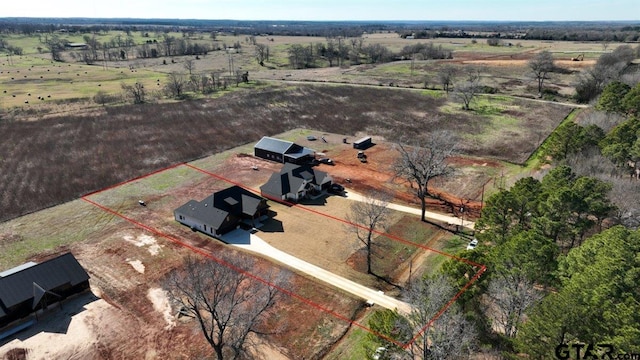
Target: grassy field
column 60, row 147
column 504, row 67
column 118, row 143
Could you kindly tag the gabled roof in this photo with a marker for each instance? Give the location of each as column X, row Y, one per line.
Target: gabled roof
column 305, row 172
column 277, row 185
column 204, row 212
column 49, row 275
column 274, row 145
column 214, row 209
column 291, row 178
column 283, row 147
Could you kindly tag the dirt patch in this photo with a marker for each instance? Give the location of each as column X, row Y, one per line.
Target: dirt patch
column 161, row 304
column 377, row 174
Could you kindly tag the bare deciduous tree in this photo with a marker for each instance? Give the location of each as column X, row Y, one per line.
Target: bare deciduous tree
column 541, row 65
column 175, row 85
column 368, row 216
column 56, row 47
column 134, row 92
column 450, row 335
column 625, row 190
column 446, row 76
column 425, row 160
column 262, row 53
column 228, row 305
column 195, row 83
column 469, row 88
column 189, row 65
column 510, row 297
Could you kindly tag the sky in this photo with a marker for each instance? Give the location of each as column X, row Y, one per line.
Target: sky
column 320, row 10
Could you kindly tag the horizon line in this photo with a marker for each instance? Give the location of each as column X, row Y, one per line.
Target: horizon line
column 326, row 20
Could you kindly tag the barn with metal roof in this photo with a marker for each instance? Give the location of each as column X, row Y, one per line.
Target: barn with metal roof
column 282, row 151
column 31, row 287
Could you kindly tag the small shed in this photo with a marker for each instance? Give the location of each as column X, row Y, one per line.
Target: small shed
column 363, row 143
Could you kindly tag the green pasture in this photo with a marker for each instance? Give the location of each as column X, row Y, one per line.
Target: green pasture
column 37, row 44
column 494, row 110
column 28, row 77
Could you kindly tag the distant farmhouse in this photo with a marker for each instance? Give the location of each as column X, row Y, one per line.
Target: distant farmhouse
column 282, row 151
column 223, row 211
column 295, row 182
column 31, row 286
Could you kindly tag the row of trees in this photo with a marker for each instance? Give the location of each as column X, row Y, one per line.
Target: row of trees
column 530, row 227
column 557, row 32
column 337, row 51
column 554, row 276
column 177, row 86
column 124, row 47
column 613, row 66
column 534, row 297
column 606, row 145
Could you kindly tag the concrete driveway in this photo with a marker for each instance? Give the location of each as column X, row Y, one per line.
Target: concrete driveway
column 452, row 220
column 251, row 242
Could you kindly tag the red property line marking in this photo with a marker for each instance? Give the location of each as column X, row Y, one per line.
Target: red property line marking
column 476, row 276
column 467, row 261
column 446, row 306
column 285, row 291
column 134, row 179
column 226, row 263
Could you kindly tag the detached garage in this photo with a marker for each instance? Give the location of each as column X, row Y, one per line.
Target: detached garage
column 282, row 151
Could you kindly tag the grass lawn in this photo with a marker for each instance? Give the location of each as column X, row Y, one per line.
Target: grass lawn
column 355, row 344
column 48, row 230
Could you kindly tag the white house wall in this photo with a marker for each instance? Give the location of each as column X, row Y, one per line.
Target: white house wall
column 193, row 223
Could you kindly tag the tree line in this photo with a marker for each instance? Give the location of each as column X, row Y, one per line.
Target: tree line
column 352, row 51
column 554, row 277
column 560, row 30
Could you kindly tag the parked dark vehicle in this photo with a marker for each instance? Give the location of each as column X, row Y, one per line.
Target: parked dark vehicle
column 326, row 161
column 336, row 189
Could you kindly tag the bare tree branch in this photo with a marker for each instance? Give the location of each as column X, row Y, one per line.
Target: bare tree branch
column 469, row 88
column 369, row 215
column 510, row 297
column 450, row 335
column 541, row 65
column 424, row 161
column 227, row 304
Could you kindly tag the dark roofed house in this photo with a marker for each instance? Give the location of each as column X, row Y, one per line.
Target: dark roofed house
column 30, row 287
column 282, row 151
column 295, row 182
column 223, row 211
